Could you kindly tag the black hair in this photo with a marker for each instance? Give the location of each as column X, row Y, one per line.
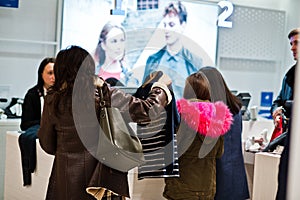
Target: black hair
column 220, row 90
column 294, row 32
column 73, row 64
column 40, row 81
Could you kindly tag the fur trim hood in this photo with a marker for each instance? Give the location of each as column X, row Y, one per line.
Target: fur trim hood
column 208, row 119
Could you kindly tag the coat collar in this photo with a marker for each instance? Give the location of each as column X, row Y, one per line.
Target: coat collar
column 208, row 119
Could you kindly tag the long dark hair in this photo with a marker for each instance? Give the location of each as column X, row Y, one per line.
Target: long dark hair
column 197, row 87
column 68, row 63
column 100, row 52
column 220, row 90
column 40, row 81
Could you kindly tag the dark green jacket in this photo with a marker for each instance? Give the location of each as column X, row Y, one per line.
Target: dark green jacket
column 198, row 151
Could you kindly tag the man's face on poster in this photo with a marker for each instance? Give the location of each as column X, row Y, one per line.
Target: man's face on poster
column 173, row 28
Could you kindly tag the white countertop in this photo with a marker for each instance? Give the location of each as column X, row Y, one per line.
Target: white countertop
column 10, row 122
column 255, row 128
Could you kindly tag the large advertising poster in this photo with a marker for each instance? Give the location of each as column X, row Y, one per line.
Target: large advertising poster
column 144, row 32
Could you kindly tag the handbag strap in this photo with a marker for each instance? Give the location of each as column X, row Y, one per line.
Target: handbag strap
column 102, row 101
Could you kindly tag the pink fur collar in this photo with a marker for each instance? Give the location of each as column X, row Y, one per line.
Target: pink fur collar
column 208, row 119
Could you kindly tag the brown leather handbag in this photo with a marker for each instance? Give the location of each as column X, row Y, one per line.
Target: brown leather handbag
column 118, row 145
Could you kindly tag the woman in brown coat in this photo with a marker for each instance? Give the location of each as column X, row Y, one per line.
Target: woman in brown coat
column 69, row 126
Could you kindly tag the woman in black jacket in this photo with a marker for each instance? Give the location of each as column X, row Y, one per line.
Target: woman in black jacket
column 32, row 106
column 31, row 117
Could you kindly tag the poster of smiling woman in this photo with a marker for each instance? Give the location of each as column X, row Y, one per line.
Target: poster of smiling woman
column 146, row 36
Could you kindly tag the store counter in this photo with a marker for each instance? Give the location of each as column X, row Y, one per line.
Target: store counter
column 250, row 129
column 265, row 176
column 5, row 125
column 14, row 188
column 255, row 128
column 139, row 189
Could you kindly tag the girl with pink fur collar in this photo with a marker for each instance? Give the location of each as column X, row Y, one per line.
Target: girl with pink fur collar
column 200, row 141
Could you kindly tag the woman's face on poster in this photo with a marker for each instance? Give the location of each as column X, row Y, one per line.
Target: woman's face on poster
column 173, row 29
column 114, row 45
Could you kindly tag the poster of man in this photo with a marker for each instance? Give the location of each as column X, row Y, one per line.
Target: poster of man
column 146, row 37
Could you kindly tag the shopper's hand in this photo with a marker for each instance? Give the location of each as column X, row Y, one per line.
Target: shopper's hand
column 158, row 76
column 165, row 79
column 99, row 82
column 277, row 121
column 162, row 86
column 276, row 115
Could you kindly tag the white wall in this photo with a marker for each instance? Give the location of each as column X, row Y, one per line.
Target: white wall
column 258, row 80
column 290, row 6
column 27, row 35
column 250, row 58
column 269, row 4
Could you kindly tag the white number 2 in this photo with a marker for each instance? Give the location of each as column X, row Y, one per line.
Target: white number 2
column 225, row 14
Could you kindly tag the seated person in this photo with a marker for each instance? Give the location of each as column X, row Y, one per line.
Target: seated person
column 31, row 116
